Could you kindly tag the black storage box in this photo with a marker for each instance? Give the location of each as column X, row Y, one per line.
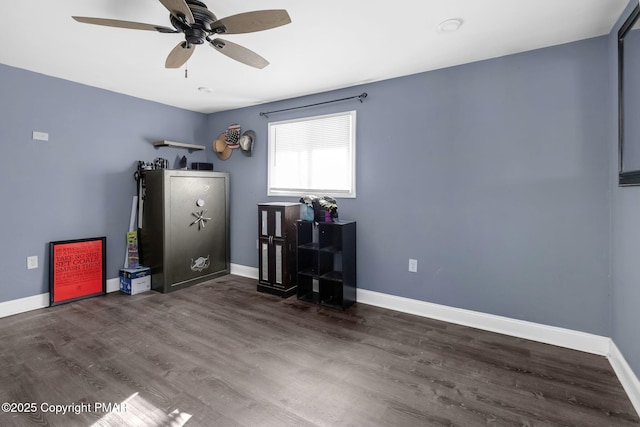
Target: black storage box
column 200, row 166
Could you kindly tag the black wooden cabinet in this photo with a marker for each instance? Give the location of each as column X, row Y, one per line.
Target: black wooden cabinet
column 327, row 263
column 277, row 247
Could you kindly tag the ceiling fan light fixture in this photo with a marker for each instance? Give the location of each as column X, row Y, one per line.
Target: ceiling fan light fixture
column 450, row 25
column 199, row 24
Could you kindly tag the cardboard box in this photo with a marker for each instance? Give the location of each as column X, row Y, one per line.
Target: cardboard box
column 135, row 280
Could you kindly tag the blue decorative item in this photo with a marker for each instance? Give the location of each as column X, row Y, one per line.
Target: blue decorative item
column 307, row 211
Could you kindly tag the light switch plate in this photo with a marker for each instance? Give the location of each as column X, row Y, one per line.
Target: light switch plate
column 413, row 265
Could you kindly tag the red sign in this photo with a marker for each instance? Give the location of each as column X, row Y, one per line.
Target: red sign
column 77, row 269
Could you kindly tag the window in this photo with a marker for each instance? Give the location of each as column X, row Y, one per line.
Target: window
column 313, row 155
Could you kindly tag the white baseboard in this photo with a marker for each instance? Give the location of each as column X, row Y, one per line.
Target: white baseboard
column 626, row 376
column 113, row 285
column 244, row 271
column 568, row 338
column 22, row 305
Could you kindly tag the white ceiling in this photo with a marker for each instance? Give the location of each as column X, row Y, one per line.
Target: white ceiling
column 330, row 44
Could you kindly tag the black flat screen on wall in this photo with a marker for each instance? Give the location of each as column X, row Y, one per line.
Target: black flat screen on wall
column 629, row 101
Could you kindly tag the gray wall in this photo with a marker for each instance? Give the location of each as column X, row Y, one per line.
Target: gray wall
column 493, row 175
column 625, row 235
column 79, row 183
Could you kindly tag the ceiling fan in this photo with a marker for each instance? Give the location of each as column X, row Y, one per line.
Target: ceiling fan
column 198, row 24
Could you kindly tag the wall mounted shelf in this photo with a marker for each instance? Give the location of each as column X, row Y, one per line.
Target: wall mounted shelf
column 178, row 145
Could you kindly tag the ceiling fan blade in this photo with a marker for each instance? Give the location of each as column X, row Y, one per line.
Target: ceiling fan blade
column 179, row 55
column 179, row 8
column 249, row 22
column 123, row 24
column 239, row 53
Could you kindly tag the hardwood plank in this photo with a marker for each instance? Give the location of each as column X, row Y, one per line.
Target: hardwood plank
column 221, row 353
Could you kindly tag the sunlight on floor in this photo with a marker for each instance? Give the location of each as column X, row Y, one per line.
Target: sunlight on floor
column 135, row 410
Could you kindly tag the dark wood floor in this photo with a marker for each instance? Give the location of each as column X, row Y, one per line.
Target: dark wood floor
column 222, row 354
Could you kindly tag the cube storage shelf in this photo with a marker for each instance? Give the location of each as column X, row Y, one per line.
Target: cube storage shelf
column 327, row 263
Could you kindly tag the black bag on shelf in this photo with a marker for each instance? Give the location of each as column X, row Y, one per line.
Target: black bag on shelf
column 318, row 212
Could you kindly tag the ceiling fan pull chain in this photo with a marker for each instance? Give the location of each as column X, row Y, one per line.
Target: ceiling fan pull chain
column 186, row 71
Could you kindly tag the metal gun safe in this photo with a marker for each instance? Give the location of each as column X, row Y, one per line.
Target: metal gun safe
column 185, row 227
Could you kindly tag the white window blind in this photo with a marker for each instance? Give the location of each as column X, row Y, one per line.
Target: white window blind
column 313, row 155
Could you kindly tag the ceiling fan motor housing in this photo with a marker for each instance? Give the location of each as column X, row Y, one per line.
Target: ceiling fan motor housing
column 197, row 32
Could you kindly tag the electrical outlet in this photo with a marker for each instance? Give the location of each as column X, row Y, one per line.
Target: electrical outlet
column 32, row 262
column 413, row 265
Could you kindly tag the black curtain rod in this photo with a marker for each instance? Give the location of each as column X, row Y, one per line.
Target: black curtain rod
column 359, row 97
